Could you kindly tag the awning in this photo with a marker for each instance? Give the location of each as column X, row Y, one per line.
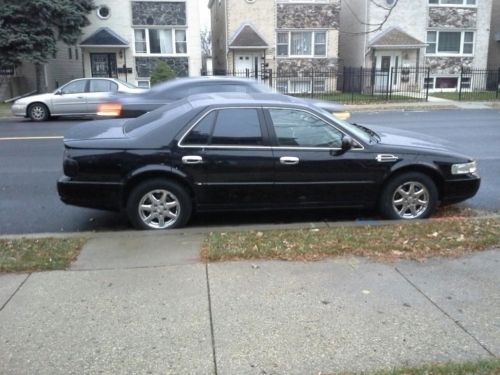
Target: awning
column 395, row 38
column 104, row 37
column 247, row 37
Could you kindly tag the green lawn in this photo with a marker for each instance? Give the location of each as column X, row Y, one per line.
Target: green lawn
column 27, row 255
column 358, row 98
column 467, row 95
column 481, row 367
column 5, row 110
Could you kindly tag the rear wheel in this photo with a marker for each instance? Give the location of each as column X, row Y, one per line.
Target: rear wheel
column 409, row 196
column 159, row 204
column 38, row 112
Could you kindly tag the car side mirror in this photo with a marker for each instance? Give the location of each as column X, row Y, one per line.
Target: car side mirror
column 58, row 92
column 347, row 143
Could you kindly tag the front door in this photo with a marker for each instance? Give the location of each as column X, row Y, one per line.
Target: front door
column 71, row 99
column 247, row 62
column 103, row 65
column 310, row 169
column 386, row 62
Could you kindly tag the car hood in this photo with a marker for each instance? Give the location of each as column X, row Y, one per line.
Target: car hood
column 34, row 98
column 413, row 140
column 94, row 130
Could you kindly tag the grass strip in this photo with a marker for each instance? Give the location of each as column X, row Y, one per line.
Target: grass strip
column 5, row 110
column 28, row 255
column 481, row 367
column 412, row 240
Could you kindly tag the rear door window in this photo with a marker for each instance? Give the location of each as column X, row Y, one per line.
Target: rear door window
column 102, row 85
column 227, row 127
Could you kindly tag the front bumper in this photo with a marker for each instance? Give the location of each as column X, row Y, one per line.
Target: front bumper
column 100, row 195
column 19, row 109
column 455, row 191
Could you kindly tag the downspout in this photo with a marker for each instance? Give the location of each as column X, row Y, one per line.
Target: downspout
column 366, row 32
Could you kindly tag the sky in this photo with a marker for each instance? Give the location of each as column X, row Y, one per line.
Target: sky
column 204, row 15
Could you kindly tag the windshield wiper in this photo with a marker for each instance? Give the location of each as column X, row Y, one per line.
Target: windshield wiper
column 370, row 132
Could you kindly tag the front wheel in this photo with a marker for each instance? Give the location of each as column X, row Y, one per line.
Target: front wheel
column 159, row 204
column 38, row 112
column 409, row 196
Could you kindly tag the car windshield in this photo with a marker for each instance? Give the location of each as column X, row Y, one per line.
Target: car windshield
column 170, row 111
column 361, row 132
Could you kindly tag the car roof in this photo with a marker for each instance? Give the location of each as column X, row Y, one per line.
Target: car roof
column 245, row 99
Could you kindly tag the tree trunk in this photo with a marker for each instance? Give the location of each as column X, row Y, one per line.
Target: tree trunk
column 40, row 79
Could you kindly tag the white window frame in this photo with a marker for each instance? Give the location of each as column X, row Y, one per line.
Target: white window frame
column 464, row 4
column 173, row 35
column 313, row 44
column 462, row 43
column 140, row 81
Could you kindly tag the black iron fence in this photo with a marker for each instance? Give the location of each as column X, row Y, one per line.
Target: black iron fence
column 362, row 85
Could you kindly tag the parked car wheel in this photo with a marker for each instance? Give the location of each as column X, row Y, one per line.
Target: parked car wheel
column 409, row 196
column 38, row 112
column 159, row 204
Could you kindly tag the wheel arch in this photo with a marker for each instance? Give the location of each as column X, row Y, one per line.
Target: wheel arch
column 152, row 172
column 28, row 107
column 429, row 170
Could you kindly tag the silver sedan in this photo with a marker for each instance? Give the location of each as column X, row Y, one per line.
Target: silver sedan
column 76, row 98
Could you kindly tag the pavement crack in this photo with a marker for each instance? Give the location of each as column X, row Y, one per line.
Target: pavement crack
column 456, row 322
column 15, row 292
column 211, row 319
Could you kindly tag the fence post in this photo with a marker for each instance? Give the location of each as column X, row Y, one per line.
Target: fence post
column 390, row 85
column 427, row 84
column 312, row 83
column 351, row 84
column 387, row 86
column 460, row 83
column 270, row 78
column 498, row 82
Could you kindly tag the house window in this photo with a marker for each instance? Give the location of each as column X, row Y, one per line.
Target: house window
column 70, row 53
column 465, row 82
column 453, row 2
column 450, row 42
column 103, row 12
column 76, row 53
column 143, row 84
column 446, row 82
column 429, row 83
column 301, row 44
column 160, row 41
column 140, row 41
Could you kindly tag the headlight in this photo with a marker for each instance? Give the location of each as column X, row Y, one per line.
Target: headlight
column 464, row 168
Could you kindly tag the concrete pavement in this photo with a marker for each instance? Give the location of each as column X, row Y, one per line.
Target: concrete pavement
column 142, row 303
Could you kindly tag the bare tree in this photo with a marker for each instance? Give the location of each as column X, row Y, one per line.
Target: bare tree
column 206, row 42
column 373, row 27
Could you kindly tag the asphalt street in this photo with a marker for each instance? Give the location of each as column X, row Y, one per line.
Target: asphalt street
column 31, row 163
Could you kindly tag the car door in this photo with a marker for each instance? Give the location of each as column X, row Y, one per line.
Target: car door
column 228, row 154
column 70, row 99
column 99, row 90
column 311, row 169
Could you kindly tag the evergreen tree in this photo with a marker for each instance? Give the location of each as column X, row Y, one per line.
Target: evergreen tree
column 161, row 72
column 30, row 29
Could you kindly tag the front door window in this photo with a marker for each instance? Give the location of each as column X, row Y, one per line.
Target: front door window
column 103, row 65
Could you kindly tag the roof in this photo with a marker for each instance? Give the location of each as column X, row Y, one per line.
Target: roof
column 238, row 99
column 104, row 36
column 247, row 37
column 395, row 37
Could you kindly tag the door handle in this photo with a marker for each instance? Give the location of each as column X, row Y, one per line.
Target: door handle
column 289, row 160
column 192, row 159
column 80, row 97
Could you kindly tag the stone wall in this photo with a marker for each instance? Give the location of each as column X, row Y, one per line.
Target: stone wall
column 145, row 65
column 293, row 66
column 448, row 65
column 452, row 18
column 158, row 13
column 303, row 16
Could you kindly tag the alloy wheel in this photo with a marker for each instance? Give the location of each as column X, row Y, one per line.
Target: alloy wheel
column 410, row 200
column 159, row 209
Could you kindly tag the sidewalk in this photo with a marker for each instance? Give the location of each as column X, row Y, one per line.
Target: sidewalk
column 142, row 303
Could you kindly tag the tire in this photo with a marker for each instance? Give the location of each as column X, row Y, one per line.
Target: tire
column 38, row 112
column 409, row 196
column 169, row 205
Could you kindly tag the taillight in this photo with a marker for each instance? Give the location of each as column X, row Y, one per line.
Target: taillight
column 70, row 165
column 109, row 109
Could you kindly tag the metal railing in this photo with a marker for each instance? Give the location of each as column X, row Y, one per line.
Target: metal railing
column 362, row 85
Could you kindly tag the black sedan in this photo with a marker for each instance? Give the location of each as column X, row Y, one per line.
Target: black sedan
column 136, row 104
column 254, row 152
